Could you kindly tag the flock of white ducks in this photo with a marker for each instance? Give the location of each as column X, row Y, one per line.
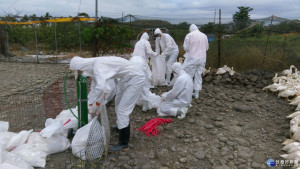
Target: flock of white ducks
column 288, row 86
column 224, row 69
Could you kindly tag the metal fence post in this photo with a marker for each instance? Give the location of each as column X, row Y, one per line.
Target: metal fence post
column 7, row 44
column 265, row 54
column 36, row 44
column 55, row 41
column 219, row 40
column 79, row 37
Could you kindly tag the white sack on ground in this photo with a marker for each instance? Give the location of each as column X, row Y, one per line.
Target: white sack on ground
column 15, row 160
column 158, row 70
column 4, row 126
column 31, row 155
column 52, row 127
column 8, row 166
column 79, row 142
column 17, row 140
column 4, row 138
column 67, row 115
column 55, row 144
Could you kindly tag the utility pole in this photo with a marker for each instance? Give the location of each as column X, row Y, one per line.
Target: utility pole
column 215, row 17
column 96, row 26
column 96, row 10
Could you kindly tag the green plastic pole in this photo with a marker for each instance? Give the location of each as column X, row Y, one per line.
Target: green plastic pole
column 82, row 100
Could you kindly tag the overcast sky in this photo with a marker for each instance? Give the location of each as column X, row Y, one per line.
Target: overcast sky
column 153, row 8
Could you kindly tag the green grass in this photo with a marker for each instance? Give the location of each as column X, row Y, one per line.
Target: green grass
column 274, row 54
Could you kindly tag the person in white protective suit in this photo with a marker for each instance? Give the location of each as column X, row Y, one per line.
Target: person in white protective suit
column 178, row 99
column 129, row 81
column 195, row 45
column 142, row 52
column 168, row 48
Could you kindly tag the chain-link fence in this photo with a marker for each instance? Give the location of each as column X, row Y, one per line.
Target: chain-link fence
column 269, row 43
column 29, row 109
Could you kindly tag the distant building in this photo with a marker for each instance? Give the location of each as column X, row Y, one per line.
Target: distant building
column 211, row 37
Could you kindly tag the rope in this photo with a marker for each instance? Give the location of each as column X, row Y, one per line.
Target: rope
column 150, row 128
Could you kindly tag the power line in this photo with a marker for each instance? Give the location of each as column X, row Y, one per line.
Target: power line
column 4, row 11
column 79, row 6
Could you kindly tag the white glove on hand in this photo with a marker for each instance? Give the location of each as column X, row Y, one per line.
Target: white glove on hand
column 163, row 96
column 92, row 108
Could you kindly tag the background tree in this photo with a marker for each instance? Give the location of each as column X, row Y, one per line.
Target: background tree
column 241, row 18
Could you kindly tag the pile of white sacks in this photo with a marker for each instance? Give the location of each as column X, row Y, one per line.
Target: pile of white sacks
column 28, row 149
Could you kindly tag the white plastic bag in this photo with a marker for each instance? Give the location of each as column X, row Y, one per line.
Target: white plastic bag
column 52, row 127
column 8, row 166
column 31, row 155
column 4, row 126
column 69, row 120
column 79, row 142
column 55, row 144
column 17, row 140
column 4, row 138
column 15, row 160
column 158, row 70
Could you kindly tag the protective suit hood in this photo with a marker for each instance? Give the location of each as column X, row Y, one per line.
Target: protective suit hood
column 177, row 67
column 145, row 36
column 193, row 27
column 83, row 64
column 157, row 32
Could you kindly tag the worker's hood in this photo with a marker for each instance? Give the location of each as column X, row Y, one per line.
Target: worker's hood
column 193, row 27
column 145, row 36
column 83, row 64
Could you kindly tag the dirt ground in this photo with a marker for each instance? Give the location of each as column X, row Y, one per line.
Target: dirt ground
column 229, row 126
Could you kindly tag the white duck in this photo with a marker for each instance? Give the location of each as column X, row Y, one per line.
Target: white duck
column 295, row 114
column 295, row 101
column 288, row 141
column 293, row 156
column 298, row 107
column 287, row 93
column 288, row 71
column 275, row 79
column 206, row 71
column 273, row 87
column 294, row 126
column 290, row 146
column 231, row 72
column 221, row 71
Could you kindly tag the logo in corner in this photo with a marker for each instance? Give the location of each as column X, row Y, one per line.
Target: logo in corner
column 271, row 163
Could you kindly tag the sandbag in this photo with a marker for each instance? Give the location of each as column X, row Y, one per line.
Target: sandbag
column 55, row 144
column 17, row 140
column 52, row 127
column 31, row 155
column 15, row 160
column 4, row 126
column 9, row 166
column 4, row 138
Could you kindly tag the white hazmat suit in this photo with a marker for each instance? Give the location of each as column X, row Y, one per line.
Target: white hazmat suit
column 195, row 45
column 128, row 88
column 142, row 51
column 180, row 96
column 168, row 48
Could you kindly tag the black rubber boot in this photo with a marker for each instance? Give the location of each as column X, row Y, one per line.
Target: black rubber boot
column 124, row 135
column 114, row 128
